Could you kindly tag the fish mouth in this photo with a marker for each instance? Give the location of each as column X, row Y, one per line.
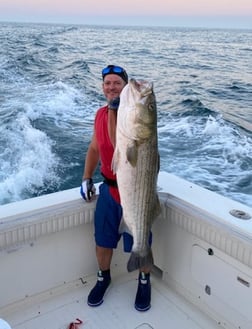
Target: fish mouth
column 144, row 87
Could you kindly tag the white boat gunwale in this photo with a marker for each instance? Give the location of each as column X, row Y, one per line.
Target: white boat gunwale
column 194, row 223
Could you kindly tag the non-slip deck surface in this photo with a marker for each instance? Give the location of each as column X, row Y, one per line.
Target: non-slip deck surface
column 57, row 308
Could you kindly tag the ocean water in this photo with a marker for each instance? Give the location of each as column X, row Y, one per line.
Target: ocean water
column 50, row 89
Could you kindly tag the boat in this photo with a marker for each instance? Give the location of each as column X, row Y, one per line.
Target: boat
column 201, row 279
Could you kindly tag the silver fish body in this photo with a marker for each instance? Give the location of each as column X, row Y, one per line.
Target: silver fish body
column 136, row 164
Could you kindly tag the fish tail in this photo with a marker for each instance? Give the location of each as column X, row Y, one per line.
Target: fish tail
column 136, row 261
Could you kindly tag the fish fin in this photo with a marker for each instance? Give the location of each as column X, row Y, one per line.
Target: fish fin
column 123, row 227
column 131, row 154
column 136, row 261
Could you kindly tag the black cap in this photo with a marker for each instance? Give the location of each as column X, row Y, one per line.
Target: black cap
column 114, row 69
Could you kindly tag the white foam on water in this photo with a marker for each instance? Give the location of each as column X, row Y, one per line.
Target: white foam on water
column 63, row 103
column 27, row 162
column 210, row 152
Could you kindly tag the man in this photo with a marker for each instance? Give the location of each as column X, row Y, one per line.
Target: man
column 108, row 210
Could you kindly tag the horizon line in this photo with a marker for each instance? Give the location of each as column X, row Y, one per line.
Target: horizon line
column 192, row 21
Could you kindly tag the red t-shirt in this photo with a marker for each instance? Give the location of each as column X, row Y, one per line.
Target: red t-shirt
column 106, row 148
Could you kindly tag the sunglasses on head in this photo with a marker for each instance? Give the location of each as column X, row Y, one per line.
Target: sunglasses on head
column 112, row 69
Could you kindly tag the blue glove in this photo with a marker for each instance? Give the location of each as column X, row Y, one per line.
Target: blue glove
column 87, row 189
column 113, row 104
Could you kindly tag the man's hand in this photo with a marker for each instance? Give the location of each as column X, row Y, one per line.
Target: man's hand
column 113, row 104
column 87, row 189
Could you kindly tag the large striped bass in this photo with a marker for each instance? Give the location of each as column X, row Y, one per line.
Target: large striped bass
column 136, row 164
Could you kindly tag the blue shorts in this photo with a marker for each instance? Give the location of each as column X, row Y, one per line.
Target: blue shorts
column 107, row 219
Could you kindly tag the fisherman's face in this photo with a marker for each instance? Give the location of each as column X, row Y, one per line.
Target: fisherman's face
column 112, row 86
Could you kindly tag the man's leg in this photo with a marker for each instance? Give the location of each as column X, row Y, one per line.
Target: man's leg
column 104, row 257
column 107, row 219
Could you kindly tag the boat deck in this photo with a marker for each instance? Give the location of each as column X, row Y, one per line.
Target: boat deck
column 203, row 257
column 57, row 308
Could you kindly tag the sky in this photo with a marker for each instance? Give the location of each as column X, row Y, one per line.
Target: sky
column 198, row 13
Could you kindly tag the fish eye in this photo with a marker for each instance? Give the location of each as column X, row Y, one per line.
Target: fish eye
column 152, row 106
